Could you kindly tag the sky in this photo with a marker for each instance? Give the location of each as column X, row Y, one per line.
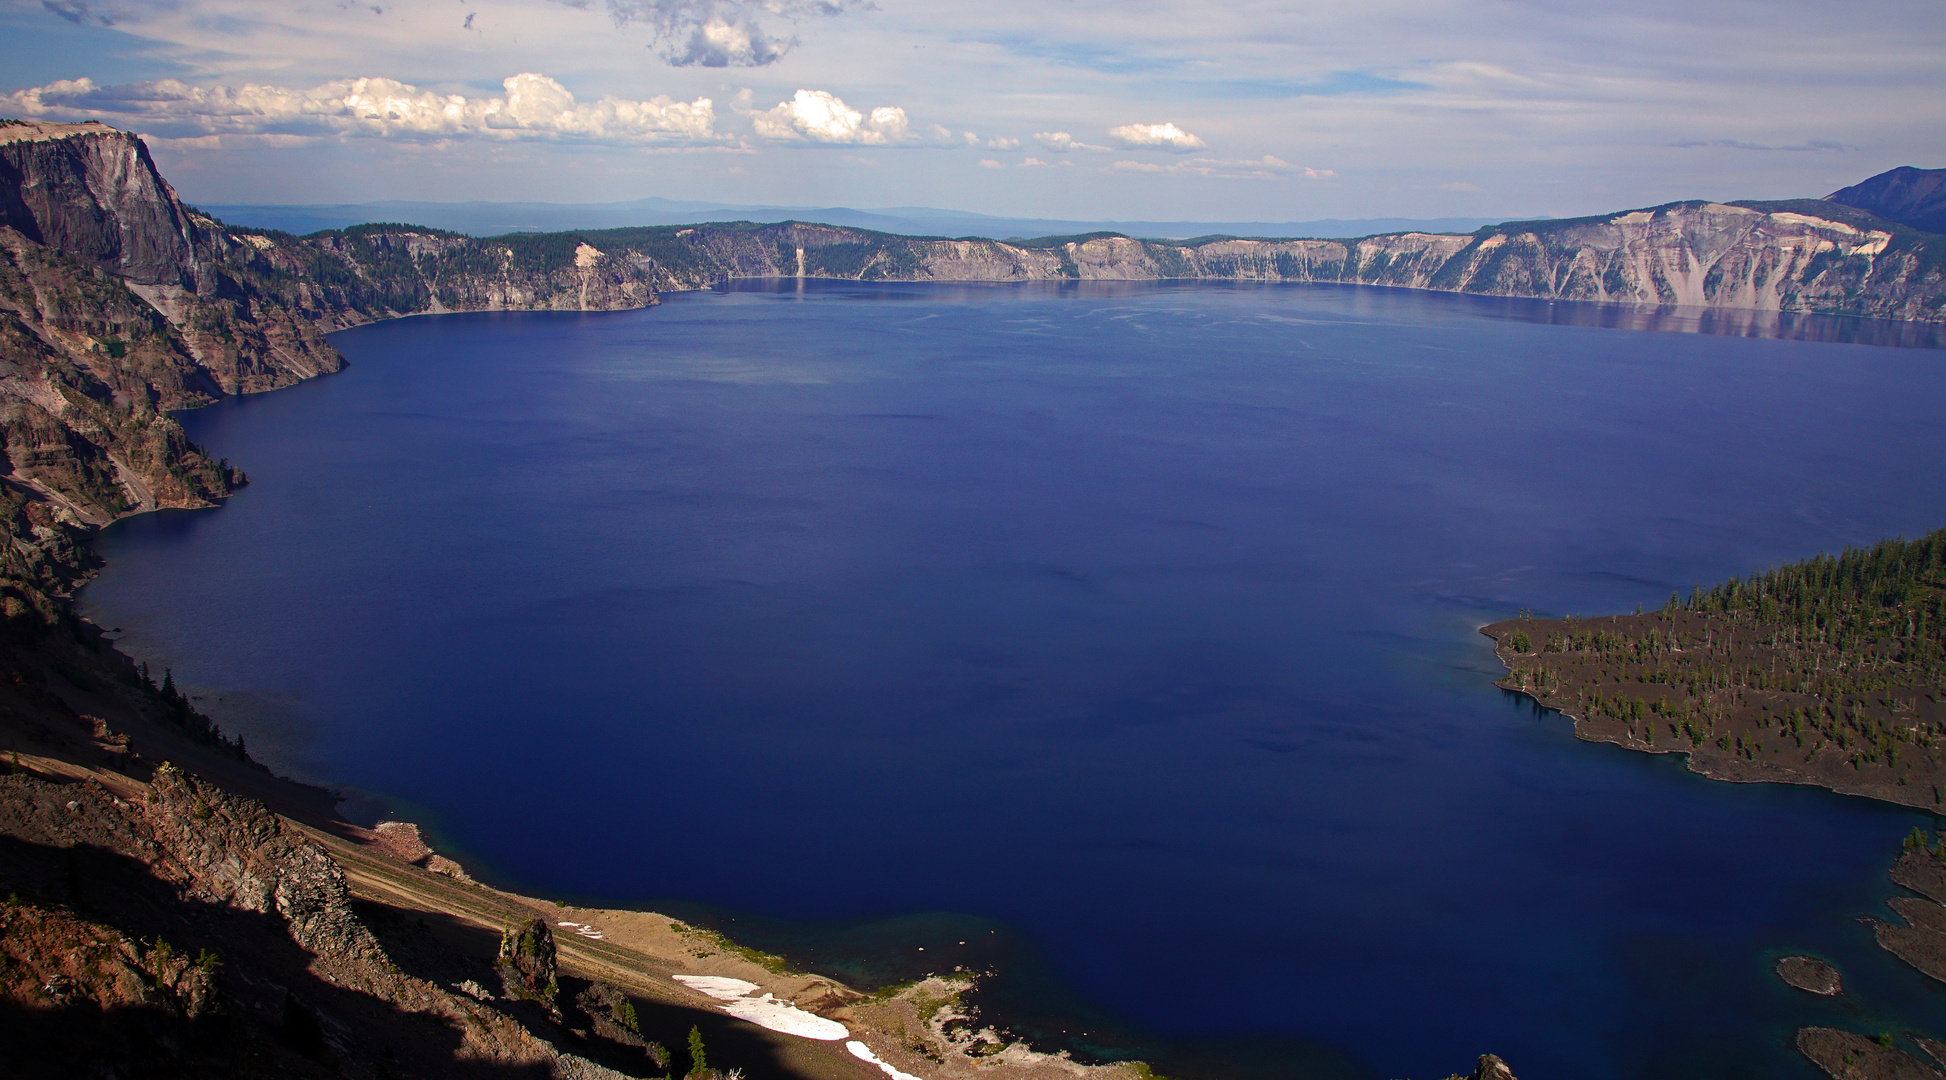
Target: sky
column 1218, row 110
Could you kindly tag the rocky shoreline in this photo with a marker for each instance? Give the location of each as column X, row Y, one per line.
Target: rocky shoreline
column 161, row 888
column 1826, row 673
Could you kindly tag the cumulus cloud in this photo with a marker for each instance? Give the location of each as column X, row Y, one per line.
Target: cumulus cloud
column 989, row 163
column 1060, row 142
column 534, row 105
column 722, row 33
column 1229, row 168
column 819, row 116
column 1156, row 136
column 1001, row 142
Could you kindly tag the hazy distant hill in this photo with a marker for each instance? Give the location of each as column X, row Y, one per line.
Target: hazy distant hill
column 498, row 219
column 1909, row 196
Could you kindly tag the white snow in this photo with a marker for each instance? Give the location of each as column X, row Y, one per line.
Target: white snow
column 766, row 1011
column 717, row 986
column 864, row 1053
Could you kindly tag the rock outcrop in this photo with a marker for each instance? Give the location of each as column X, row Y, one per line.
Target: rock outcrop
column 1489, row 1068
column 528, row 962
column 192, row 919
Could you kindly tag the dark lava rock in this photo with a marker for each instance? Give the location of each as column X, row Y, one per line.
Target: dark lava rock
column 1847, row 1055
column 1489, row 1068
column 527, row 962
column 611, row 1015
column 1815, row 976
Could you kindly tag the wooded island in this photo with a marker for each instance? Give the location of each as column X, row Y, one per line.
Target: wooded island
column 1830, row 671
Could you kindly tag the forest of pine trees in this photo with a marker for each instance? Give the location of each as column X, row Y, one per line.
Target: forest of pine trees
column 1826, row 667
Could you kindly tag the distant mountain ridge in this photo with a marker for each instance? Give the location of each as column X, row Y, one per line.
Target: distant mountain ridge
column 496, row 219
column 1912, row 197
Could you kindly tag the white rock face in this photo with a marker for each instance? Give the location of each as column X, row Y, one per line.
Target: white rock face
column 1704, row 255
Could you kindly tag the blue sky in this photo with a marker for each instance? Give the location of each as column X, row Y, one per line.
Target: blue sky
column 1147, row 109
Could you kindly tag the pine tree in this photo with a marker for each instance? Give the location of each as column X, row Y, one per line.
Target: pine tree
column 697, row 1063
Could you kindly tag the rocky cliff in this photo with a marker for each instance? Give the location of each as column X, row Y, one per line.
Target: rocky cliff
column 120, row 303
column 1807, row 256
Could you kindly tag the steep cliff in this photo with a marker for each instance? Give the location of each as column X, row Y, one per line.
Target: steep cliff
column 1803, row 256
column 119, row 303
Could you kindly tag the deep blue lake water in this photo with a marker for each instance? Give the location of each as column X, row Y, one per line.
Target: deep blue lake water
column 1133, row 627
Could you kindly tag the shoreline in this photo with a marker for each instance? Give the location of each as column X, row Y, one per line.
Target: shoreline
column 1675, row 682
column 1722, row 737
column 126, row 759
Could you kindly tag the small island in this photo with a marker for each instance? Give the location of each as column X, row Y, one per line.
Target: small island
column 1811, row 975
column 1830, row 671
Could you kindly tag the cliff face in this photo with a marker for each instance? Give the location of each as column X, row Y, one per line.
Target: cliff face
column 1759, row 256
column 1805, row 256
column 92, row 192
column 119, row 303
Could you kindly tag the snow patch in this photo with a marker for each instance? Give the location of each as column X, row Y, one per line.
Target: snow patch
column 766, row 1011
column 864, row 1053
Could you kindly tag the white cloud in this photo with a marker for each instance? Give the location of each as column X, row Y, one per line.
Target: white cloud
column 1229, row 168
column 1061, row 142
column 1156, row 136
column 1001, row 142
column 1541, row 105
column 989, row 163
column 823, row 117
column 534, row 105
column 720, row 33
